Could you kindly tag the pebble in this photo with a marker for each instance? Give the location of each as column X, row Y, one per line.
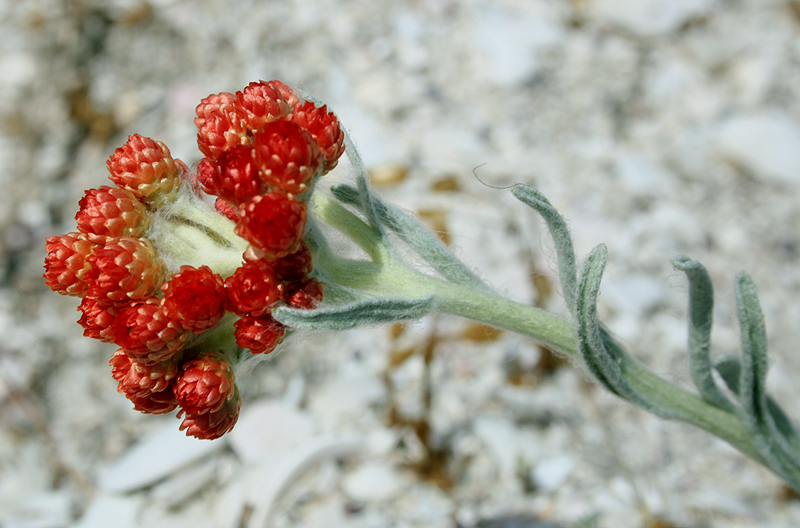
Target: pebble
column 501, row 438
column 112, row 511
column 268, row 425
column 549, row 474
column 183, row 484
column 153, row 458
column 633, row 295
column 509, row 41
column 372, row 482
column 767, row 143
column 649, row 18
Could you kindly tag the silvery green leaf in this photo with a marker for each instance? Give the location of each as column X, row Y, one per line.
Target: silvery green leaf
column 701, row 308
column 752, row 383
column 418, row 237
column 354, row 314
column 567, row 268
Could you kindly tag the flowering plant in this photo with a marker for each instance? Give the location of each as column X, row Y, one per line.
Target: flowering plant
column 186, row 288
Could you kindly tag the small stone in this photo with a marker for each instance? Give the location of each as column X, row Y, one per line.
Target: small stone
column 178, row 488
column 112, row 511
column 267, row 426
column 768, row 144
column 155, row 457
column 550, row 473
column 372, row 483
column 509, row 43
column 649, row 18
column 633, row 295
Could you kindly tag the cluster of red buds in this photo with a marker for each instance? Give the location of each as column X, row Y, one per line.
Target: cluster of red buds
column 141, row 264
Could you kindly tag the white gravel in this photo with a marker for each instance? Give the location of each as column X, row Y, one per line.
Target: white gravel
column 660, row 127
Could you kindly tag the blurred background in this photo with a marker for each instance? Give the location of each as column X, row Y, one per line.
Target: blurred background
column 660, row 127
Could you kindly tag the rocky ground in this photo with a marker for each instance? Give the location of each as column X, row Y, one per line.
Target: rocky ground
column 660, row 127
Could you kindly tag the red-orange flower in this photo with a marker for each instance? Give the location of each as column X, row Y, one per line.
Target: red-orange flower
column 97, row 317
column 252, row 289
column 155, row 402
column 66, row 267
column 139, row 379
column 236, row 178
column 286, row 155
column 220, row 132
column 273, row 223
column 324, row 128
column 147, row 332
column 204, row 384
column 146, row 168
column 259, row 103
column 124, row 269
column 111, row 212
column 212, row 425
column 195, row 297
column 294, row 266
column 259, row 334
column 304, row 294
column 215, row 104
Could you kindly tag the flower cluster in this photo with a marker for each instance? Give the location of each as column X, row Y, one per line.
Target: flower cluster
column 134, row 259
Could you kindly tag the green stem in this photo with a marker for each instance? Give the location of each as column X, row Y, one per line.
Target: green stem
column 387, row 276
column 559, row 335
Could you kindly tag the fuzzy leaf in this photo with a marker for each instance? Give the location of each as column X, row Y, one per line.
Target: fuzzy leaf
column 358, row 313
column 701, row 308
column 567, row 269
column 418, row 237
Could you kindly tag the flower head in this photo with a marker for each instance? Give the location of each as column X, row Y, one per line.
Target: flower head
column 146, row 168
column 195, row 297
column 204, row 384
column 186, row 289
column 66, row 266
column 213, row 424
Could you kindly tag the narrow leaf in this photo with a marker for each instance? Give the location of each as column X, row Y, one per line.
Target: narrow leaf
column 567, row 268
column 775, row 446
column 701, row 309
column 426, row 244
column 358, row 313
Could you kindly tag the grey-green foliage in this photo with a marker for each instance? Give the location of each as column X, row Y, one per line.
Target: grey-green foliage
column 390, row 287
column 752, row 421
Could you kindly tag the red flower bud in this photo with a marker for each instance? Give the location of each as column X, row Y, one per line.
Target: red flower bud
column 227, row 210
column 236, row 178
column 124, row 269
column 212, row 425
column 286, row 93
column 97, row 318
column 204, row 384
column 294, row 266
column 324, row 128
column 287, row 156
column 66, row 267
column 219, row 133
column 215, row 104
column 155, row 402
column 252, row 289
column 260, row 103
column 111, row 212
column 204, row 176
column 260, row 334
column 147, row 333
column 304, row 294
column 274, row 223
column 138, row 379
column 145, row 168
column 195, row 297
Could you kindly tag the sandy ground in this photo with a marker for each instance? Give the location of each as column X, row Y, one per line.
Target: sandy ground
column 660, row 127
